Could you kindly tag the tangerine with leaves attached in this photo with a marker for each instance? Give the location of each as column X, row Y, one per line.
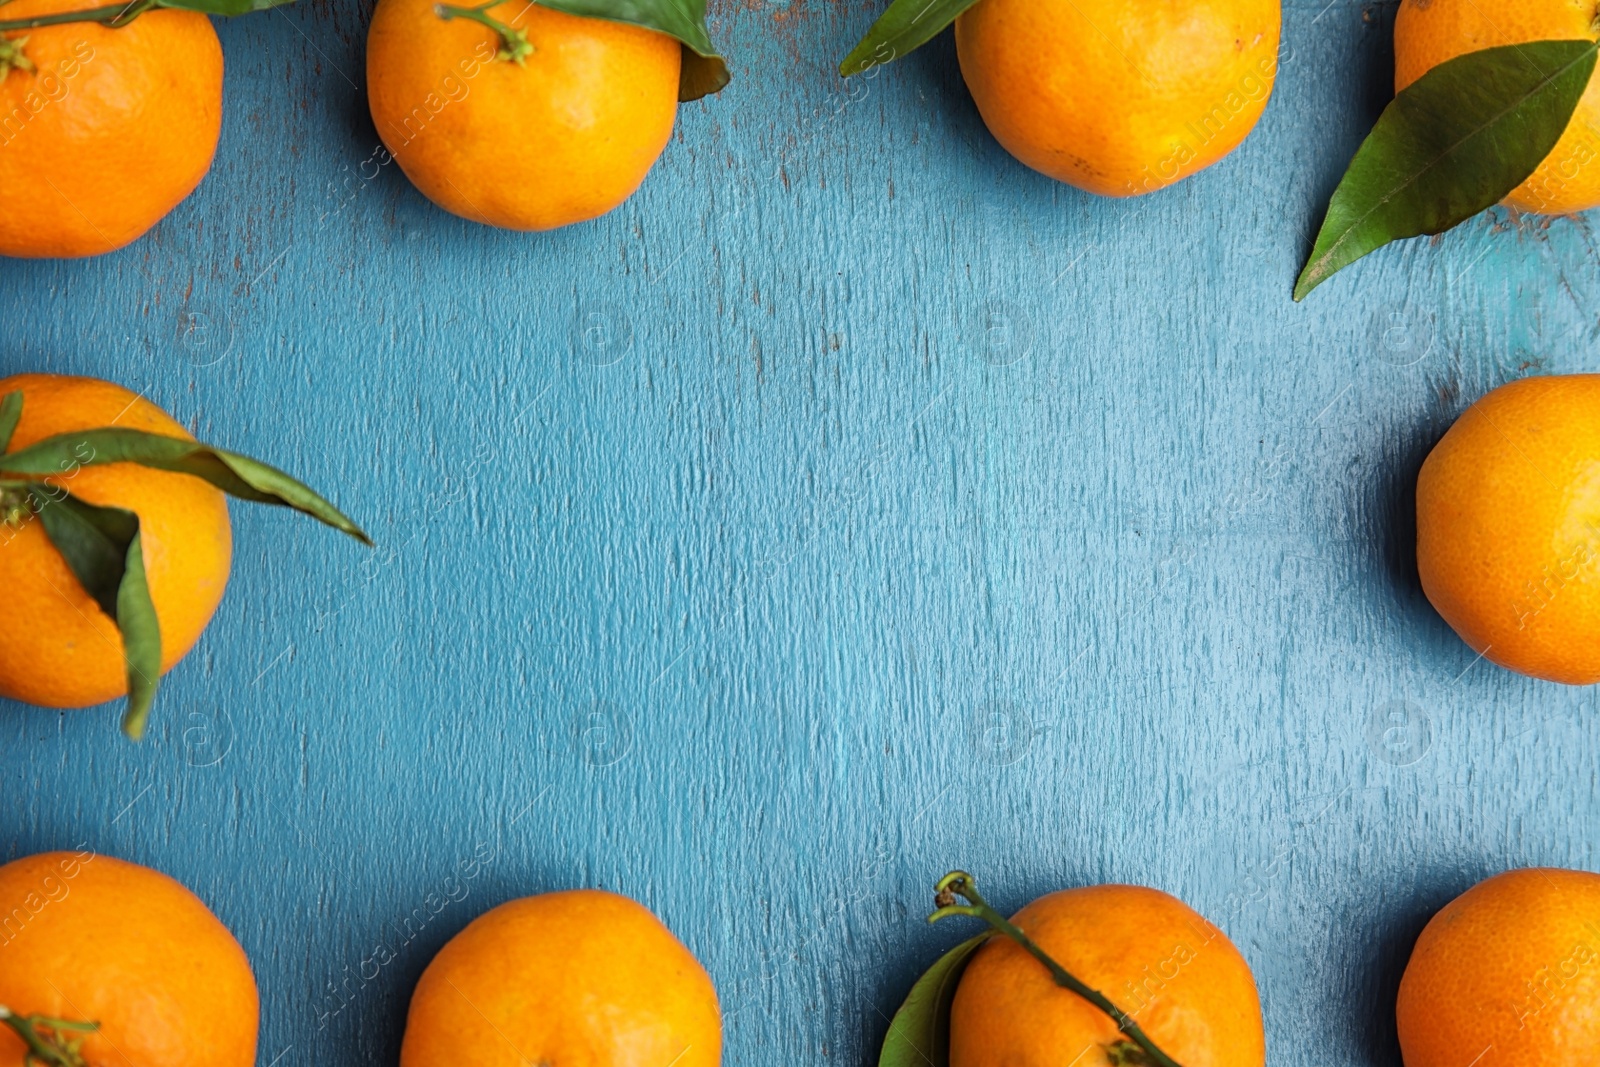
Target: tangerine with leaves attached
column 70, row 655
column 1175, row 975
column 114, row 539
column 518, row 115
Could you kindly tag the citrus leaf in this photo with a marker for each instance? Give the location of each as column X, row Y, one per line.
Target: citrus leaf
column 919, row 1035
column 10, row 413
column 237, row 475
column 103, row 550
column 1451, row 144
column 907, row 25
column 704, row 71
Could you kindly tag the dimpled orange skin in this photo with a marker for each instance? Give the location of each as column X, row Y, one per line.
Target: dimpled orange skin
column 91, row 938
column 69, row 655
column 1508, row 527
column 1428, row 32
column 564, row 137
column 582, row 978
column 1507, row 974
column 1119, row 97
column 109, row 131
column 1152, row 955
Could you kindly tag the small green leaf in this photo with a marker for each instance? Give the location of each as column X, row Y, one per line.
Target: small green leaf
column 237, row 475
column 103, row 550
column 919, row 1035
column 1451, row 144
column 907, row 25
column 704, row 71
column 10, row 414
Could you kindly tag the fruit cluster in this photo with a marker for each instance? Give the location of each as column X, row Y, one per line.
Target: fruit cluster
column 88, row 976
column 542, row 114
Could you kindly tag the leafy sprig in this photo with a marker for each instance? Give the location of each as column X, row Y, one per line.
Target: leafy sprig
column 1451, row 144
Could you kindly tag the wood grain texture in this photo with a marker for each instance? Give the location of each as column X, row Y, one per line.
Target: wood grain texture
column 850, row 505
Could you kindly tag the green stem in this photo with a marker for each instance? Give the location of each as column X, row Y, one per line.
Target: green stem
column 514, row 44
column 114, row 16
column 15, row 507
column 960, row 884
column 12, row 57
column 50, row 1049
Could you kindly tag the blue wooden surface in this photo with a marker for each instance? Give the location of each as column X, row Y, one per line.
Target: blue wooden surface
column 850, row 505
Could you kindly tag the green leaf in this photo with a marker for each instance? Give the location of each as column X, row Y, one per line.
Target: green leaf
column 919, row 1035
column 10, row 413
column 103, row 550
column 1451, row 144
column 237, row 475
column 906, row 26
column 704, row 71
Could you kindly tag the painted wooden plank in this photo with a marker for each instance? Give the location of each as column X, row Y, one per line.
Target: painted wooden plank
column 850, row 505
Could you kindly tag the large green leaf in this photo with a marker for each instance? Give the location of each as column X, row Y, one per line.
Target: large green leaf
column 905, row 26
column 10, row 411
column 1452, row 144
column 237, row 475
column 704, row 71
column 102, row 548
column 919, row 1035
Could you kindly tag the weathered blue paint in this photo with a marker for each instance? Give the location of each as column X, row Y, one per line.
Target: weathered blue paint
column 851, row 505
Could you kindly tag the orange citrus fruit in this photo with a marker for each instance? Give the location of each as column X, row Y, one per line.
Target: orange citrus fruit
column 1507, row 974
column 1428, row 32
column 582, row 978
column 1151, row 955
column 69, row 655
column 563, row 136
column 1508, row 527
column 1119, row 97
column 95, row 939
column 108, row 131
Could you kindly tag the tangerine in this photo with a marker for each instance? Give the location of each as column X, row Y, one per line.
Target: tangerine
column 562, row 135
column 69, row 655
column 583, row 978
column 1154, row 957
column 96, row 939
column 103, row 131
column 1119, row 97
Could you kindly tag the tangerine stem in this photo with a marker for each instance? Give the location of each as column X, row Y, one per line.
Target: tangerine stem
column 13, row 58
column 514, row 43
column 48, row 1049
column 960, row 884
column 114, row 16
